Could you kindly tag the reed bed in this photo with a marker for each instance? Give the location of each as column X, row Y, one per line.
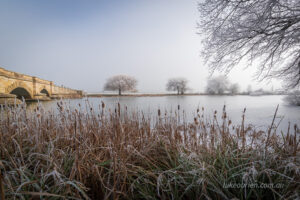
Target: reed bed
column 87, row 153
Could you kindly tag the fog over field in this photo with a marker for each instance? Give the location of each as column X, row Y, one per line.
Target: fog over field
column 81, row 44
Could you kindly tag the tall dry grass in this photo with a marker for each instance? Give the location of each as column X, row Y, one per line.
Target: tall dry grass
column 116, row 154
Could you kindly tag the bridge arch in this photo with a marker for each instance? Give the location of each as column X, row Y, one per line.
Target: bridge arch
column 21, row 93
column 44, row 91
column 20, row 90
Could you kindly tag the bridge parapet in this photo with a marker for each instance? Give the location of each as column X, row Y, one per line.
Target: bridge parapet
column 14, row 75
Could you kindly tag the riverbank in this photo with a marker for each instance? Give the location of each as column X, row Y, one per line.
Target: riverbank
column 117, row 154
column 140, row 95
column 168, row 94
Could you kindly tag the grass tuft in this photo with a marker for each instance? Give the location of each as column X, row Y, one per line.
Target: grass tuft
column 116, row 154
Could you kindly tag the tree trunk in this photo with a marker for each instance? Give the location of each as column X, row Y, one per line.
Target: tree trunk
column 120, row 91
column 177, row 90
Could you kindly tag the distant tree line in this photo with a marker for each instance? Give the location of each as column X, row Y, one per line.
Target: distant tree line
column 215, row 86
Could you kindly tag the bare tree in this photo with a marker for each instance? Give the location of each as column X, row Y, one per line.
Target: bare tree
column 217, row 85
column 177, row 84
column 266, row 32
column 234, row 88
column 121, row 83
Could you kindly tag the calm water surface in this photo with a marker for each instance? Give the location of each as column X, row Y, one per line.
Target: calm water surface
column 259, row 109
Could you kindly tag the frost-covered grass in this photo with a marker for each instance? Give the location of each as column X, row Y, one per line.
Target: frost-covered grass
column 117, row 154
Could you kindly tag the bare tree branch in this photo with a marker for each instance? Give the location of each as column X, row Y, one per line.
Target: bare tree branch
column 265, row 32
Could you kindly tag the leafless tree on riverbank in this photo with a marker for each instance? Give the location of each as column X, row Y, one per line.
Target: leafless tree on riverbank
column 121, row 83
column 265, row 32
column 234, row 88
column 177, row 84
column 217, row 85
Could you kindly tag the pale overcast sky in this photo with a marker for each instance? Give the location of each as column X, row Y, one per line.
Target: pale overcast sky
column 80, row 43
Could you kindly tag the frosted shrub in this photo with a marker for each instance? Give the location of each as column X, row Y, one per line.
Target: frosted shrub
column 293, row 98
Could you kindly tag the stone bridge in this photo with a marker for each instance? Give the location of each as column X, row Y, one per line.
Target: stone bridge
column 18, row 85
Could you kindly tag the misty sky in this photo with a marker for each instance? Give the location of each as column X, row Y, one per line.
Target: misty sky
column 80, row 44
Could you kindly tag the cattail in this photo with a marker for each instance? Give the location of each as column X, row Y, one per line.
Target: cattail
column 224, row 115
column 196, row 120
column 60, row 107
column 84, row 150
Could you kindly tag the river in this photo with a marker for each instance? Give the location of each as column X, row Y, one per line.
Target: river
column 259, row 109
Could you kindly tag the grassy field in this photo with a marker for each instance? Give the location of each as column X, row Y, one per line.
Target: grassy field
column 116, row 154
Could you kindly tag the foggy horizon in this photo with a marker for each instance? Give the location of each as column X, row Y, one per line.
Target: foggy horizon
column 80, row 45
